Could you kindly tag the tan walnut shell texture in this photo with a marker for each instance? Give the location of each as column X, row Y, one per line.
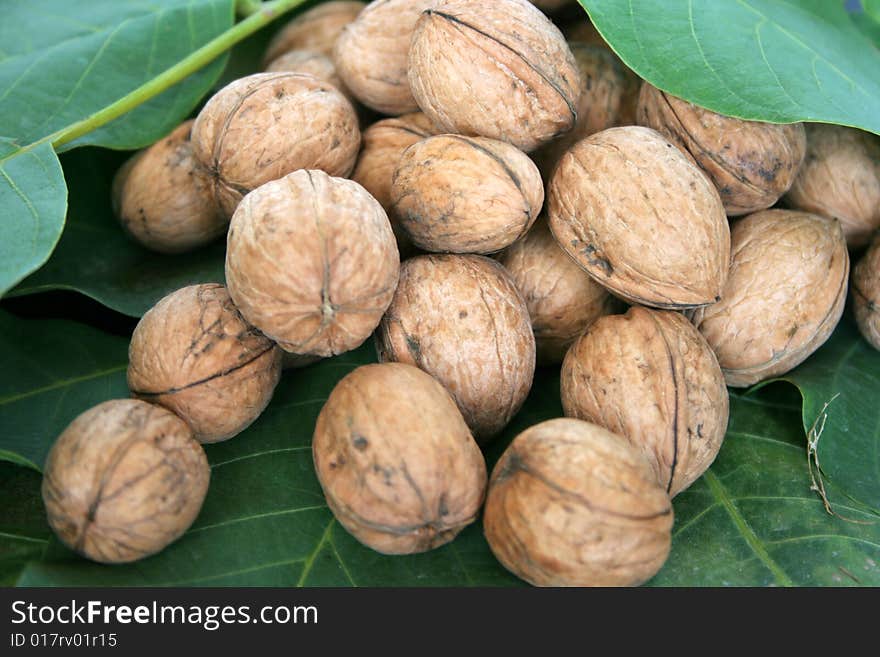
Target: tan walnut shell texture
column 783, row 298
column 308, row 62
column 397, row 463
column 316, row 29
column 572, row 504
column 840, row 178
column 165, row 199
column 465, row 194
column 124, row 480
column 866, row 294
column 751, row 163
column 372, row 52
column 311, row 261
column 500, row 70
column 641, row 218
column 196, row 355
column 562, row 299
column 461, row 319
column 264, row 126
column 650, row 377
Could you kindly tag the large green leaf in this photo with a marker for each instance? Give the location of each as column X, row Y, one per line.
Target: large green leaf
column 771, row 60
column 24, row 533
column 97, row 258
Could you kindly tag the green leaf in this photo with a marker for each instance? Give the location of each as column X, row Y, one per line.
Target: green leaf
column 33, row 200
column 872, row 9
column 96, row 257
column 770, row 60
column 24, row 533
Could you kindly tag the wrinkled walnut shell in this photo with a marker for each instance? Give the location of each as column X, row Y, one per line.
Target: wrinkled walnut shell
column 840, row 178
column 308, row 62
column 650, row 377
column 461, row 319
column 866, row 294
column 751, row 163
column 783, row 298
column 641, row 218
column 465, row 194
column 316, row 29
column 196, row 355
column 165, row 198
column 572, row 504
column 562, row 299
column 124, row 480
column 397, row 463
column 311, row 261
column 266, row 125
column 500, row 70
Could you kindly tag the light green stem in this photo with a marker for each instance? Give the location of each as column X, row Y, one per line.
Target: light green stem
column 266, row 13
column 247, row 7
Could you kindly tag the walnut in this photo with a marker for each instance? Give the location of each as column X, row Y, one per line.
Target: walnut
column 465, row 194
column 650, row 377
column 316, row 29
column 164, row 198
column 499, row 70
column 264, row 126
column 397, row 464
column 461, row 319
column 309, row 62
column 572, row 504
column 562, row 299
column 751, row 163
column 840, row 178
column 371, row 54
column 311, row 261
column 195, row 354
column 641, row 218
column 124, row 480
column 783, row 298
column 866, row 294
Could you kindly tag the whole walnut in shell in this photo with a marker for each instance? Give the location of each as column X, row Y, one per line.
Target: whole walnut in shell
column 461, row 319
column 562, row 299
column 124, row 480
column 641, row 218
column 751, row 163
column 840, row 178
column 196, row 355
column 650, row 377
column 866, row 294
column 371, row 54
column 499, row 70
column 783, row 298
column 572, row 504
column 309, row 62
column 398, row 466
column 264, row 126
column 465, row 194
column 311, row 261
column 165, row 198
column 316, row 29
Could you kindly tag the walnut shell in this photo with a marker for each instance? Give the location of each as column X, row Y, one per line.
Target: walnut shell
column 499, row 70
column 465, row 194
column 641, row 218
column 840, row 178
column 397, row 464
column 371, row 54
column 266, row 125
column 316, row 29
column 124, row 480
column 311, row 261
column 165, row 199
column 572, row 504
column 866, row 294
column 783, row 298
column 309, row 62
column 461, row 319
column 194, row 354
column 562, row 299
column 751, row 163
column 650, row 377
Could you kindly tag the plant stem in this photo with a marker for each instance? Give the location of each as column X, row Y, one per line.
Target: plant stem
column 247, row 7
column 265, row 13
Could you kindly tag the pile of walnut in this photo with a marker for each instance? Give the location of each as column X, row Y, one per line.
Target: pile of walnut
column 494, row 118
